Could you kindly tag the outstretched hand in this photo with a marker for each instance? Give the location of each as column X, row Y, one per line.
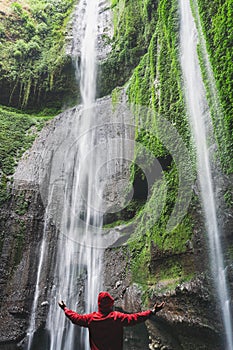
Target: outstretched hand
column 157, row 307
column 62, row 304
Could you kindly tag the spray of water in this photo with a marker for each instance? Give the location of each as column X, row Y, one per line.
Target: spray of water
column 201, row 127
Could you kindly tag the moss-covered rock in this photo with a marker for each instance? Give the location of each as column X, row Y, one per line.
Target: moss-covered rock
column 134, row 24
column 155, row 89
column 216, row 20
column 18, row 131
column 35, row 71
column 156, row 83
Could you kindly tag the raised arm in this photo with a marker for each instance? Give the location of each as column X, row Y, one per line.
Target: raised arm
column 74, row 317
column 157, row 307
column 138, row 317
column 133, row 319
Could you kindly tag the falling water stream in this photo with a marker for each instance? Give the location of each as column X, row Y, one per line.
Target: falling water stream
column 32, row 322
column 202, row 131
column 83, row 163
column 79, row 251
column 77, row 255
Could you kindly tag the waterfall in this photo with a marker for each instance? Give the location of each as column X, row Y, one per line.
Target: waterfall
column 78, row 255
column 73, row 179
column 83, row 171
column 200, row 121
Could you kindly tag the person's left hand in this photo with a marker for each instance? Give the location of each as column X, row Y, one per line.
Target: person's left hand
column 157, row 307
column 62, row 304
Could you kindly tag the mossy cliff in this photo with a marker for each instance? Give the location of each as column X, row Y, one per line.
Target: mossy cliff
column 35, row 70
column 156, row 83
column 37, row 77
column 18, row 131
column 217, row 22
column 158, row 260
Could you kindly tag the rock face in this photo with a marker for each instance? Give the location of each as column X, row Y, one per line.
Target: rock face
column 22, row 225
column 19, row 261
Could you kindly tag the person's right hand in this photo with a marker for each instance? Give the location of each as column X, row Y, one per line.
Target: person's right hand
column 157, row 307
column 62, row 304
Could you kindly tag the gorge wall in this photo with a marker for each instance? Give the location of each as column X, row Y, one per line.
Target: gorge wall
column 37, row 76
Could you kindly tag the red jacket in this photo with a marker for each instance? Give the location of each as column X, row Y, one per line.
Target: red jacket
column 106, row 328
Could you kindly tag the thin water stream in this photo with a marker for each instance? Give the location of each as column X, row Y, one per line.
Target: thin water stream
column 200, row 121
column 32, row 323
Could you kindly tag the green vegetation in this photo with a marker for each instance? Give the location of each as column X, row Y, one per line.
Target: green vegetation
column 134, row 23
column 35, row 71
column 17, row 132
column 217, row 23
column 22, row 204
column 156, row 82
column 156, row 85
column 174, row 242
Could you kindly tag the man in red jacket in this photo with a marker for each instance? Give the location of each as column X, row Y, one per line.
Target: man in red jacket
column 106, row 326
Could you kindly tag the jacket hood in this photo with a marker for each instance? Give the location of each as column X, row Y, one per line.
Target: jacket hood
column 105, row 302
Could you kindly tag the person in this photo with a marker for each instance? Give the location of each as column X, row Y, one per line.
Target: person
column 106, row 326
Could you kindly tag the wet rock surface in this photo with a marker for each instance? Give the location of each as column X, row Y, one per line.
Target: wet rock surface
column 19, row 263
column 22, row 226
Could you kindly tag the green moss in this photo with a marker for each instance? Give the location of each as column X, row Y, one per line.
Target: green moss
column 126, row 216
column 116, row 93
column 134, row 25
column 35, row 70
column 22, row 204
column 169, row 283
column 174, row 242
column 156, row 83
column 115, row 223
column 140, row 259
column 216, row 23
column 17, row 132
